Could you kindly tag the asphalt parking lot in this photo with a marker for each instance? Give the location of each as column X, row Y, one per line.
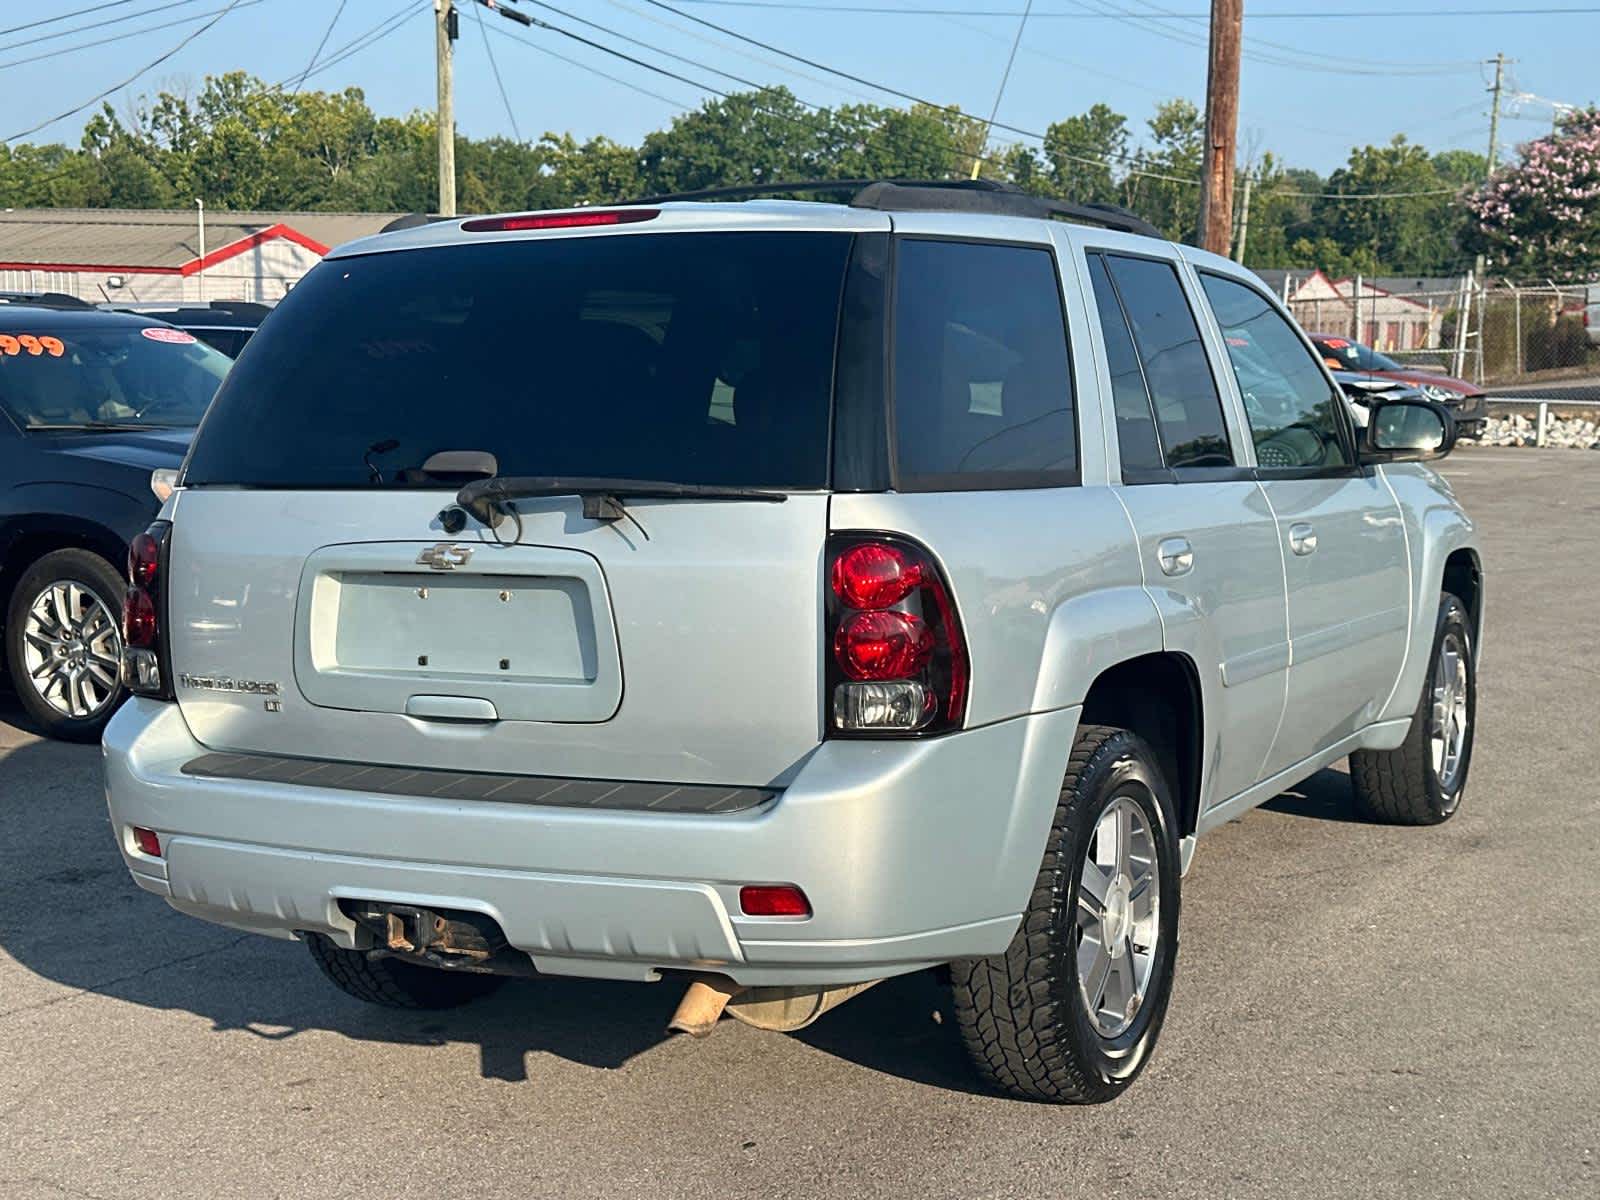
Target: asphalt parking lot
column 1360, row 1011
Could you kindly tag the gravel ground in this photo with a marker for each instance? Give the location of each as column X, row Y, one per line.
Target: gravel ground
column 1360, row 1011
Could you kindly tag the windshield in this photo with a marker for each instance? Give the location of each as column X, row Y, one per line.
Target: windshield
column 67, row 377
column 1344, row 355
column 703, row 358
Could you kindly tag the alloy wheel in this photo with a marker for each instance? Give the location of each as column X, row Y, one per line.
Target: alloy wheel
column 72, row 649
column 1447, row 733
column 1119, row 916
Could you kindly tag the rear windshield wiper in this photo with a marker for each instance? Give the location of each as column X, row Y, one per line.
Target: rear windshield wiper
column 602, row 498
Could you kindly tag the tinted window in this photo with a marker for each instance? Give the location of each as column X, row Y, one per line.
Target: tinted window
column 72, row 374
column 1188, row 408
column 1287, row 398
column 1136, row 428
column 689, row 357
column 982, row 386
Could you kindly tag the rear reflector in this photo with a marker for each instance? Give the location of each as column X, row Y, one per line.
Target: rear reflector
column 566, row 220
column 147, row 841
column 774, row 900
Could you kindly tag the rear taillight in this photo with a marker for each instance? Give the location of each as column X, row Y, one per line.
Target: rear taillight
column 144, row 658
column 897, row 662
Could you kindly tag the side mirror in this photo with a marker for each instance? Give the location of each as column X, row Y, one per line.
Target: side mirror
column 1407, row 431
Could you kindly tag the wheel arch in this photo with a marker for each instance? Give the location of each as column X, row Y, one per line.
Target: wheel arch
column 1463, row 578
column 25, row 540
column 1158, row 697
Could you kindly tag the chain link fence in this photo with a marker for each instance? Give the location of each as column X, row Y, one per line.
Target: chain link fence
column 1493, row 332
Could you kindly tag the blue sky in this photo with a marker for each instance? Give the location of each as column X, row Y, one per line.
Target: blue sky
column 1312, row 87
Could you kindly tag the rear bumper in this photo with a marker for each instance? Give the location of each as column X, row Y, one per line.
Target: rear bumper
column 912, row 853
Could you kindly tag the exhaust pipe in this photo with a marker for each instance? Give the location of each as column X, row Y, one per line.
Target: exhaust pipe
column 702, row 1004
column 776, row 1009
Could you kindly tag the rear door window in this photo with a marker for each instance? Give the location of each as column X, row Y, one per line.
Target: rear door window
column 683, row 357
column 982, row 380
column 1177, row 373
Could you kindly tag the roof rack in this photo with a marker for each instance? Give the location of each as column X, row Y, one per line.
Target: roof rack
column 44, row 299
column 932, row 195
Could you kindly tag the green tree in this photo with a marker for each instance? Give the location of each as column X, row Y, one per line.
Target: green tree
column 1085, row 154
column 1403, row 212
column 1163, row 182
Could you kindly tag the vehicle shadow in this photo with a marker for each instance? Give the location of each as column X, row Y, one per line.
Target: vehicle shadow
column 71, row 917
column 1326, row 796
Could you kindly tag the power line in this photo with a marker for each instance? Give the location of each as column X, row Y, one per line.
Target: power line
column 371, row 37
column 511, row 113
column 126, row 34
column 150, row 66
column 583, row 66
column 95, row 26
column 1056, row 14
column 66, row 16
column 1005, row 77
column 722, row 46
column 317, row 53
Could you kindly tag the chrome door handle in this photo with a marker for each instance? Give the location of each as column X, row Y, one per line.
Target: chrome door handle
column 1302, row 538
column 1175, row 555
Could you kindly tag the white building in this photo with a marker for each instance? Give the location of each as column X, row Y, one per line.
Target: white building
column 155, row 254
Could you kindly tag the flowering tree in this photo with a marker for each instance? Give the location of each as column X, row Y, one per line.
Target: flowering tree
column 1541, row 215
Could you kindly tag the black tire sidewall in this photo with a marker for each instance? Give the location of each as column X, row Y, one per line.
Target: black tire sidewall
column 83, row 567
column 1452, row 618
column 1124, row 766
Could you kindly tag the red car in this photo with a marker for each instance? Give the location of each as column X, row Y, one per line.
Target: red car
column 1467, row 402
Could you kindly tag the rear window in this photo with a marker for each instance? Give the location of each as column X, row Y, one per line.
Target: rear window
column 690, row 357
column 982, row 381
column 81, row 376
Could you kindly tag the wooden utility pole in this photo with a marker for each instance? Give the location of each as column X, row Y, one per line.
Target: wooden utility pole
column 1480, row 264
column 445, row 30
column 1244, row 218
column 1222, row 125
column 1494, row 111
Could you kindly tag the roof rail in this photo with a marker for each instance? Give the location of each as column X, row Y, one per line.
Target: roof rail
column 982, row 196
column 932, row 195
column 44, row 299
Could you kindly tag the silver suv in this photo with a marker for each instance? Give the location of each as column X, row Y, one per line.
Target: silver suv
column 778, row 597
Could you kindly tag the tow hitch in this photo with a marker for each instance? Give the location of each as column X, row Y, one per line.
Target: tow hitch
column 448, row 938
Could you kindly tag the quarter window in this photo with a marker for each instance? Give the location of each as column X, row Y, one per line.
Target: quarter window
column 1293, row 413
column 982, row 382
column 1177, row 374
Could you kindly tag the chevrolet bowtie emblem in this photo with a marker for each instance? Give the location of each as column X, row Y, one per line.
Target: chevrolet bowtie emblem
column 446, row 556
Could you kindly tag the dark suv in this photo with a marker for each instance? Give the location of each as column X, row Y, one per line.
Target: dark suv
column 91, row 404
column 223, row 324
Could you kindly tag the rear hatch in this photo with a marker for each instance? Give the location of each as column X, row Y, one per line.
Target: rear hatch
column 319, row 607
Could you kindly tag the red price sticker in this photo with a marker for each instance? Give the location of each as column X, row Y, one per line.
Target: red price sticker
column 173, row 337
column 36, row 345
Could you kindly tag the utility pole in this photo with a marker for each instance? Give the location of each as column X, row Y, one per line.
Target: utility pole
column 1494, row 111
column 446, row 29
column 1222, row 125
column 1480, row 264
column 1244, row 218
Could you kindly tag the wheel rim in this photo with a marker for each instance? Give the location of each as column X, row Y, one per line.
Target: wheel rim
column 1119, row 916
column 72, row 649
column 1448, row 735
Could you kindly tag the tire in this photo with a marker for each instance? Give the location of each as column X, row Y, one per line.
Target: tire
column 394, row 983
column 68, row 685
column 1023, row 1015
column 1421, row 782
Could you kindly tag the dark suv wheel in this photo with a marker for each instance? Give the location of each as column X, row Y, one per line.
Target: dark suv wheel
column 64, row 643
